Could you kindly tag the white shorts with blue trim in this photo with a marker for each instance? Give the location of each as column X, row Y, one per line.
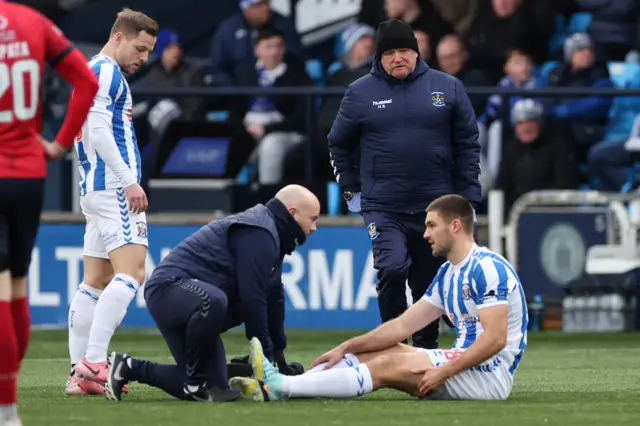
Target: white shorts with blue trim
column 110, row 224
column 490, row 380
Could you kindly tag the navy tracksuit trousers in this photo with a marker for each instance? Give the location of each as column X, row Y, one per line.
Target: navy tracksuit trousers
column 401, row 253
column 190, row 315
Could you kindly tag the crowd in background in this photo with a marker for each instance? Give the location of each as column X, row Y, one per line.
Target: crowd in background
column 531, row 143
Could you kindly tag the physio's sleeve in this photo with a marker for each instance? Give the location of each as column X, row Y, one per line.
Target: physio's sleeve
column 100, row 123
column 255, row 254
column 491, row 283
column 466, row 148
column 344, row 139
column 276, row 311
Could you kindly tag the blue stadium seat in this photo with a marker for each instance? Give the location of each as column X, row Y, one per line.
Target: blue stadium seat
column 217, row 116
column 625, row 108
column 545, row 69
column 338, row 48
column 335, row 67
column 315, row 70
column 579, row 22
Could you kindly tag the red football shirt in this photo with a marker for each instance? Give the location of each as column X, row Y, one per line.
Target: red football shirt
column 28, row 41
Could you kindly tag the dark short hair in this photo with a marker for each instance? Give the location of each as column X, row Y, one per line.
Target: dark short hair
column 452, row 207
column 518, row 50
column 132, row 22
column 267, row 33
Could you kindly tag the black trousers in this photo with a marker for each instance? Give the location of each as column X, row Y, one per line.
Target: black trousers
column 20, row 208
column 401, row 253
column 190, row 315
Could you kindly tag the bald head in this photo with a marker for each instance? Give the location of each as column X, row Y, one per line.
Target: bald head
column 303, row 205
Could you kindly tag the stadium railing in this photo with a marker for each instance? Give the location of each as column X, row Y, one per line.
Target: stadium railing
column 312, row 93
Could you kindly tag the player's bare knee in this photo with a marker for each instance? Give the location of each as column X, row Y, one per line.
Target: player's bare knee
column 130, row 260
column 18, row 287
column 382, row 369
column 5, row 285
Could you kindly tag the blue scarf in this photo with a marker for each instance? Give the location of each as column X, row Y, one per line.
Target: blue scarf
column 266, row 79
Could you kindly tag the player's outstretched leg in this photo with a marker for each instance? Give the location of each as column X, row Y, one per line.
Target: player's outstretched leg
column 169, row 378
column 388, row 370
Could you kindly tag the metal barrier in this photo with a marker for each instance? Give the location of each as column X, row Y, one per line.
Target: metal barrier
column 623, row 232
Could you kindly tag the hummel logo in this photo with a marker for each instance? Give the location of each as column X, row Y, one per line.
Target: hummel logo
column 382, row 104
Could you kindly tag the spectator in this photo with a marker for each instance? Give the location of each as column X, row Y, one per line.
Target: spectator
column 500, row 24
column 613, row 28
column 586, row 116
column 608, row 161
column 420, row 14
column 232, row 48
column 276, row 123
column 424, row 45
column 537, row 158
column 519, row 74
column 173, row 70
column 452, row 58
column 459, row 13
column 358, row 58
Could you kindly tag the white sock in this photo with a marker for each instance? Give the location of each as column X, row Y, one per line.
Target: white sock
column 110, row 311
column 349, row 360
column 333, row 383
column 81, row 312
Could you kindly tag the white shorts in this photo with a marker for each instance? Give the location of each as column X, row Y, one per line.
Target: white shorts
column 490, row 380
column 110, row 224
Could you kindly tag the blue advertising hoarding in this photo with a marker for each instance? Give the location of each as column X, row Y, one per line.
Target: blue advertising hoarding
column 329, row 282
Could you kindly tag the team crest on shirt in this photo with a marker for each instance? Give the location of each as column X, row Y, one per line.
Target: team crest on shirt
column 142, row 229
column 373, row 231
column 437, row 99
column 466, row 291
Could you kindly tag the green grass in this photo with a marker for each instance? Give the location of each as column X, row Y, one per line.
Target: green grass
column 563, row 380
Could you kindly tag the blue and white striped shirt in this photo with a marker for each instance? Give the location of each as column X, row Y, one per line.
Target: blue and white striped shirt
column 107, row 147
column 481, row 280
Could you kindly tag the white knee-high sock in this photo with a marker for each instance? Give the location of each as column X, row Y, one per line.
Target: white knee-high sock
column 81, row 310
column 110, row 311
column 334, row 383
column 349, row 360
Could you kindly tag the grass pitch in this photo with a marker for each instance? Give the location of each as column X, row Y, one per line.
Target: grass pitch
column 583, row 380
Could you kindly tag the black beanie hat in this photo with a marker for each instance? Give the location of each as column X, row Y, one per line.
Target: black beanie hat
column 395, row 34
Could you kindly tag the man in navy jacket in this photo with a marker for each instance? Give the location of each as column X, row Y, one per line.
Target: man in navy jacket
column 225, row 274
column 415, row 135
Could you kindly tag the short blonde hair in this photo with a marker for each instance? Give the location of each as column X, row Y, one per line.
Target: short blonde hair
column 131, row 22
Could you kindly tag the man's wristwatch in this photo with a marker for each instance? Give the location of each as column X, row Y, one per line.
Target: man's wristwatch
column 348, row 195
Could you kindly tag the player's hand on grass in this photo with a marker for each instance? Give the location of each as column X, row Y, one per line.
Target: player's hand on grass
column 137, row 198
column 331, row 358
column 52, row 150
column 432, row 378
